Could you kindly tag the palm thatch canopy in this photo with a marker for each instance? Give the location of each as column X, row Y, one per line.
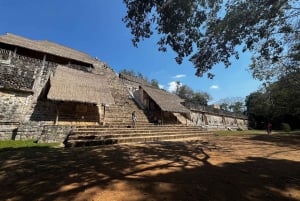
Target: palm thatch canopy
column 166, row 101
column 46, row 47
column 77, row 86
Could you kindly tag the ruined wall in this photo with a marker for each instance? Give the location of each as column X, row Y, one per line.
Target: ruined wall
column 20, row 73
column 12, row 106
column 11, row 112
column 217, row 122
column 24, row 75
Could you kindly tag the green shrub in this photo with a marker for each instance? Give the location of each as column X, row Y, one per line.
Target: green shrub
column 285, row 127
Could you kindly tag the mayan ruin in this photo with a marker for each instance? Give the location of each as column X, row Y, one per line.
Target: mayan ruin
column 48, row 89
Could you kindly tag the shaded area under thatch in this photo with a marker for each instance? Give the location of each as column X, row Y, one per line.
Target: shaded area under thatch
column 76, row 86
column 46, row 47
column 167, row 102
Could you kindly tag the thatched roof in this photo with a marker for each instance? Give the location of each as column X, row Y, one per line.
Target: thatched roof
column 46, row 47
column 73, row 85
column 166, row 101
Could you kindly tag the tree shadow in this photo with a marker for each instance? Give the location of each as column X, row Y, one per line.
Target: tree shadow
column 155, row 171
column 291, row 140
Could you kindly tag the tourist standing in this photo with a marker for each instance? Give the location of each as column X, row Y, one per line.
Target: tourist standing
column 133, row 117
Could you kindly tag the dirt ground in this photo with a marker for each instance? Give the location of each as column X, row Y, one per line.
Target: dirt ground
column 210, row 168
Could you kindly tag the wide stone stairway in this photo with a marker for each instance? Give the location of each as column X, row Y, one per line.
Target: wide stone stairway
column 117, row 126
column 92, row 136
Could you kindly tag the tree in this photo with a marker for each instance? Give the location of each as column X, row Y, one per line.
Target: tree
column 128, row 72
column 210, row 31
column 132, row 73
column 238, row 107
column 154, row 83
column 233, row 104
column 200, row 98
column 278, row 102
column 224, row 106
column 258, row 109
column 185, row 92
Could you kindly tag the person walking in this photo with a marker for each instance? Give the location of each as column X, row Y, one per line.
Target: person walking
column 133, row 117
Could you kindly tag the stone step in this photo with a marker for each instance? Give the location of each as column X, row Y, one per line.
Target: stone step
column 136, row 139
column 127, row 111
column 93, row 135
column 125, row 116
column 133, row 131
column 129, row 135
column 145, row 128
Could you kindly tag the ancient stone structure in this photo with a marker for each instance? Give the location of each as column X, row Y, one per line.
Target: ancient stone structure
column 171, row 107
column 47, row 89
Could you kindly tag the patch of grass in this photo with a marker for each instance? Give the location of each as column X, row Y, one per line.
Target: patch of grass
column 24, row 143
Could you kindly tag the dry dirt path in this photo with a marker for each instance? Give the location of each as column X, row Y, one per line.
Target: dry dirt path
column 210, row 168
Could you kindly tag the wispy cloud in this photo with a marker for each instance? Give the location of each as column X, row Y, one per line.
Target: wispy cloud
column 179, row 76
column 161, row 86
column 172, row 86
column 214, row 87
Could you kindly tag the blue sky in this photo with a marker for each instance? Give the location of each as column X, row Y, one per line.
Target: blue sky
column 95, row 27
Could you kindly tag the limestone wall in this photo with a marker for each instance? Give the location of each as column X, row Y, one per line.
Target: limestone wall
column 12, row 106
column 217, row 122
column 25, row 112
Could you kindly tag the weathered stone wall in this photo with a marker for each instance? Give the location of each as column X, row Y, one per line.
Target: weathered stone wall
column 13, row 77
column 23, row 79
column 54, row 133
column 216, row 122
column 8, row 130
column 25, row 111
column 12, row 106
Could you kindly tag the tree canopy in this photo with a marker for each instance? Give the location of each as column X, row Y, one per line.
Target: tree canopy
column 278, row 102
column 233, row 104
column 187, row 93
column 211, row 31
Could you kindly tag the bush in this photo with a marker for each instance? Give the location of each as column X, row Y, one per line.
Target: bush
column 285, row 127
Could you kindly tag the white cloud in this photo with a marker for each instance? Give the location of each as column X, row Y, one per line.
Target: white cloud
column 214, row 87
column 172, row 86
column 161, row 86
column 179, row 76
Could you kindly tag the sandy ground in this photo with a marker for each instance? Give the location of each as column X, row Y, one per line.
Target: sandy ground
column 210, row 168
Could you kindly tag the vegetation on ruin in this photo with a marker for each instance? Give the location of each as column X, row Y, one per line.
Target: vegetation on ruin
column 153, row 82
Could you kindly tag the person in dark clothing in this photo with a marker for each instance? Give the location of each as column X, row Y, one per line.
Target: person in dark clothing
column 269, row 128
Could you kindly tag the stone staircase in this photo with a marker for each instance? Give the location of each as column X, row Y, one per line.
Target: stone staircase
column 117, row 126
column 93, row 136
column 119, row 114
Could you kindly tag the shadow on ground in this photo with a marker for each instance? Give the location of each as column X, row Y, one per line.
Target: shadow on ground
column 157, row 171
column 290, row 140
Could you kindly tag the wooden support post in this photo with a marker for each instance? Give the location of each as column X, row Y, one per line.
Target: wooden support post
column 15, row 52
